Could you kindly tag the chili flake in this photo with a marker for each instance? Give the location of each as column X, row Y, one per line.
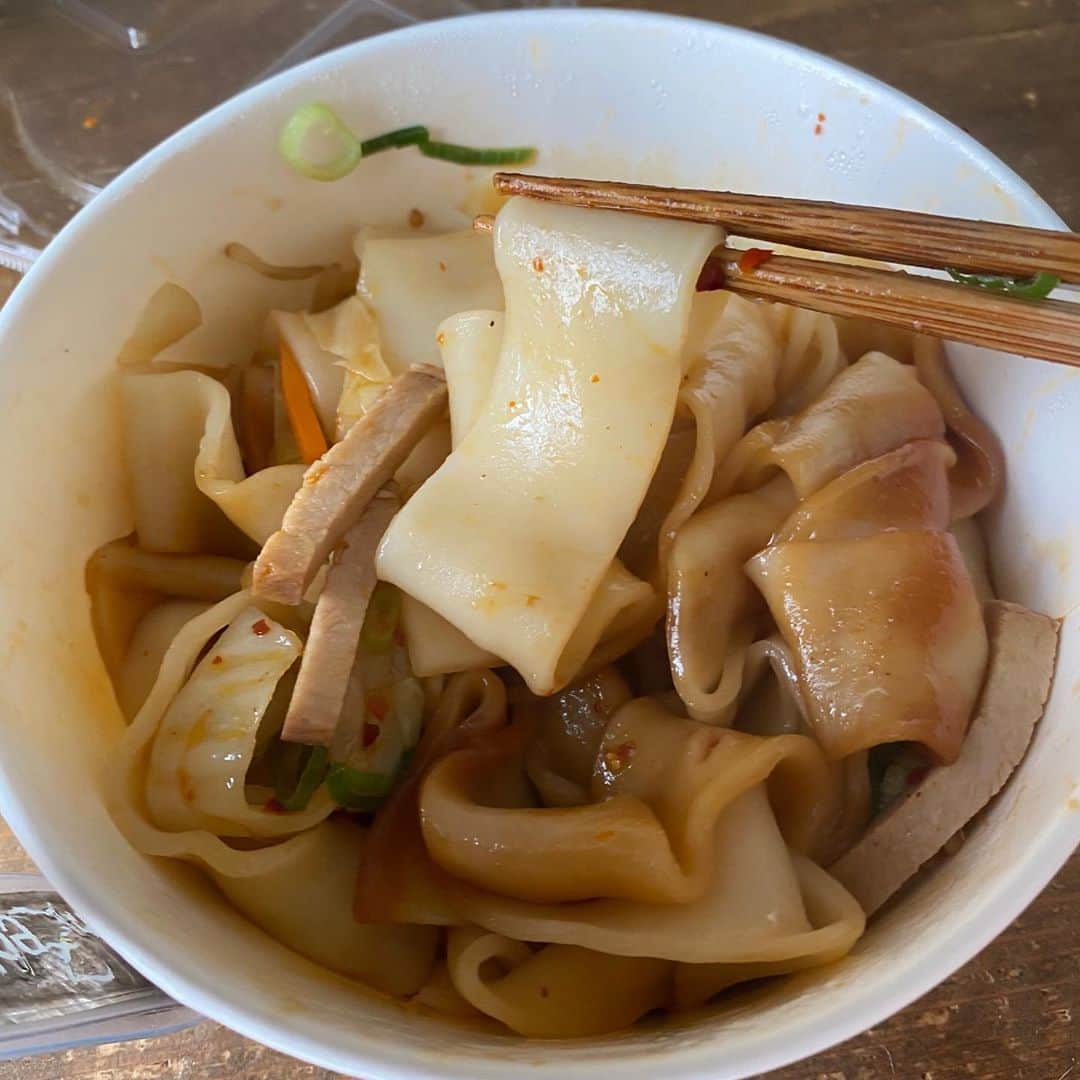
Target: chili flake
column 751, row 259
column 616, row 760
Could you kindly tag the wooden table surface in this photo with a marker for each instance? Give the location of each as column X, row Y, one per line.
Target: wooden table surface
column 1007, row 71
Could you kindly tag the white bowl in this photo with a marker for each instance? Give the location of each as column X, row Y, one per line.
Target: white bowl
column 633, row 96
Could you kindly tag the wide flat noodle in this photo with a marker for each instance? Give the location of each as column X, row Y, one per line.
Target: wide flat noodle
column 396, row 882
column 979, row 472
column 623, row 606
column 876, row 603
column 810, row 356
column 905, row 490
column 569, row 438
column 412, row 283
column 127, row 797
column 321, row 368
column 205, row 739
column 558, row 991
column 647, row 835
column 124, row 582
column 860, row 336
column 170, row 314
column 340, row 354
column 469, row 343
column 437, row 647
column 752, row 910
column 198, row 577
column 187, row 477
column 733, row 359
column 440, row 996
column 712, row 606
column 771, row 702
column 744, row 360
column 152, row 637
column 304, row 900
column 873, row 406
column 828, row 906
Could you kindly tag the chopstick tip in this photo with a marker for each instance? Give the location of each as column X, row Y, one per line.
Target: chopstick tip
column 506, row 183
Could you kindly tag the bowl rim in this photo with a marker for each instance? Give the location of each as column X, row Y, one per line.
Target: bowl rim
column 994, row 909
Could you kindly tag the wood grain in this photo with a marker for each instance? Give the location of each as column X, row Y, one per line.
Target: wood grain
column 1003, row 70
column 896, row 236
column 1049, row 330
column 1006, row 71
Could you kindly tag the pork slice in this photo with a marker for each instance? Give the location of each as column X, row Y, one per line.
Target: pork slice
column 1023, row 647
column 319, row 696
column 343, row 481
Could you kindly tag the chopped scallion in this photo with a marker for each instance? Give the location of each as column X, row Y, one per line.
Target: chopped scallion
column 475, row 155
column 395, row 140
column 298, row 773
column 318, row 145
column 352, row 789
column 1036, row 287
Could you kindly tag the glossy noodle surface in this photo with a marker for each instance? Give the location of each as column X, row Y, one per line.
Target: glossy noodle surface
column 673, row 574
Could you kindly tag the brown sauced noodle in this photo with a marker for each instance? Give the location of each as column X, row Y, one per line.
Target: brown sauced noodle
column 668, row 573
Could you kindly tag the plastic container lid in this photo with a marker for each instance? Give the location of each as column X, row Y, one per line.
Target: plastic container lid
column 124, row 74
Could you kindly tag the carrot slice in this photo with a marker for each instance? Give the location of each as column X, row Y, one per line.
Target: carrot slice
column 303, row 419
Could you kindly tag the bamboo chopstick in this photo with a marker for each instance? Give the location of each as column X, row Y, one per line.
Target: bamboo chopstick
column 1047, row 329
column 891, row 235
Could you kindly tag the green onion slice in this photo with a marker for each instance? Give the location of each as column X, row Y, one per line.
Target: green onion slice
column 381, row 620
column 318, row 144
column 298, row 772
column 361, row 791
column 395, row 140
column 472, row 155
column 1036, row 287
column 355, row 790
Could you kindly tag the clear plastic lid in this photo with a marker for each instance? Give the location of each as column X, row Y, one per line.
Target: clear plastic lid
column 60, row 986
column 124, row 74
column 121, row 76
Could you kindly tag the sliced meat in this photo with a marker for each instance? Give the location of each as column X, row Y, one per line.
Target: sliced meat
column 1023, row 646
column 342, row 482
column 323, row 680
